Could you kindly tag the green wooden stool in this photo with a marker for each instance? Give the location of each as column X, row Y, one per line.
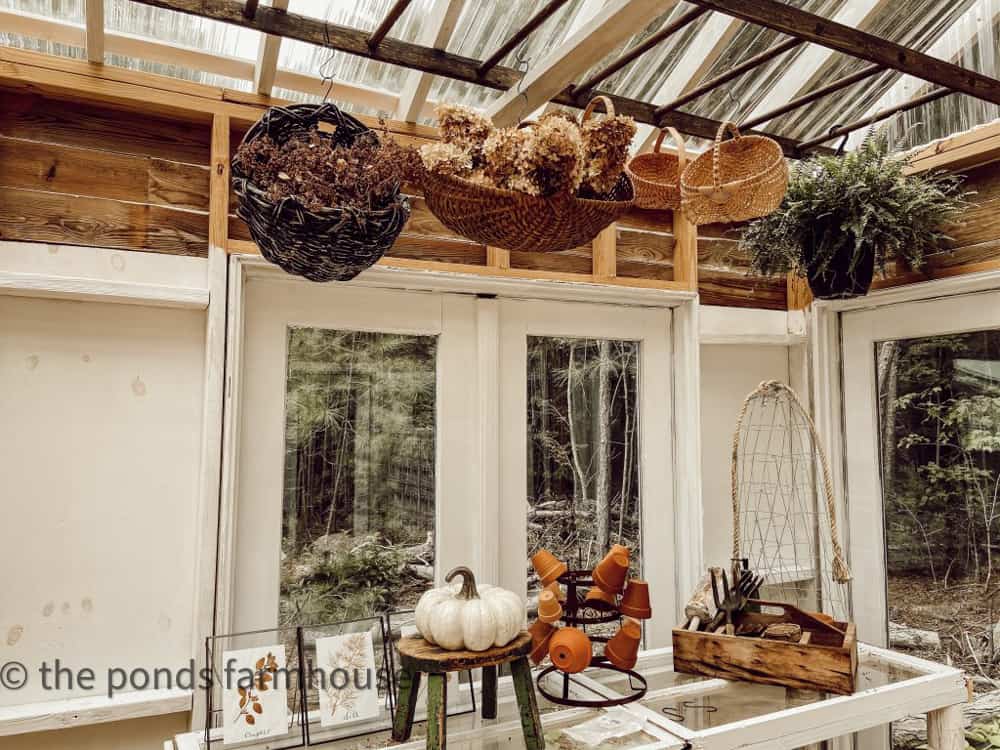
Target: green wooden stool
column 418, row 656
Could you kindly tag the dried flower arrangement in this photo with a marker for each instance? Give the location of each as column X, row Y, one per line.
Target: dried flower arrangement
column 366, row 174
column 556, row 155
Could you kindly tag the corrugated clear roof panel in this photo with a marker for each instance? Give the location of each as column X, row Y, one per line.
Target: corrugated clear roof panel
column 930, row 20
column 71, row 11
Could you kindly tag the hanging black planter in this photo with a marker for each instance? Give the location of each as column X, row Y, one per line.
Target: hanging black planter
column 837, row 280
column 328, row 244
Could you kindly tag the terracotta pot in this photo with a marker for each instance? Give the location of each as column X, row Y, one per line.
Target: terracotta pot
column 556, row 589
column 600, row 600
column 621, row 548
column 611, row 572
column 549, row 608
column 569, row 650
column 548, row 566
column 541, row 635
column 623, row 649
column 635, row 600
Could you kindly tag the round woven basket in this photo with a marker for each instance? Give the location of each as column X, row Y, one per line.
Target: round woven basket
column 329, row 244
column 657, row 175
column 513, row 220
column 739, row 179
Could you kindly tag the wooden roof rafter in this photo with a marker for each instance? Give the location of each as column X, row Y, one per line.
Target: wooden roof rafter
column 551, row 78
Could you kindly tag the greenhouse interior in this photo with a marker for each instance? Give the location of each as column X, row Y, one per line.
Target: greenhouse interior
column 559, row 374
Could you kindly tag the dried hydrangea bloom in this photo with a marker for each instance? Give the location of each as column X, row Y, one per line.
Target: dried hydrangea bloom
column 446, row 159
column 465, row 127
column 562, row 114
column 502, row 154
column 554, row 157
column 606, row 143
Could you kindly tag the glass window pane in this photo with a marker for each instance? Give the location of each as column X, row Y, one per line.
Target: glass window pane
column 583, row 462
column 939, row 409
column 359, row 486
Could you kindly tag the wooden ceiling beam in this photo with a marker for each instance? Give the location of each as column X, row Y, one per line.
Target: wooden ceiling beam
column 883, row 114
column 444, row 19
column 805, row 74
column 713, row 37
column 734, row 72
column 638, row 50
column 267, row 57
column 388, row 22
column 544, row 13
column 615, row 23
column 827, row 33
column 801, row 101
column 418, row 57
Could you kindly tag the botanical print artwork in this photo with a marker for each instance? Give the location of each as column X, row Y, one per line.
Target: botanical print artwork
column 345, row 677
column 255, row 695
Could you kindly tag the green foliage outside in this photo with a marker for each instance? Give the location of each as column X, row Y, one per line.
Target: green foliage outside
column 940, row 404
column 359, row 495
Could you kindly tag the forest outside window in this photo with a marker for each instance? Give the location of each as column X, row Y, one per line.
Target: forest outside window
column 359, row 478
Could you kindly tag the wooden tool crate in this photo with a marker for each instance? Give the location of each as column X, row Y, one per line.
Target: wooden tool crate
column 825, row 658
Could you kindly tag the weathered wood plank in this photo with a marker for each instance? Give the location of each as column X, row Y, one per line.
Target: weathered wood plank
column 34, row 216
column 736, row 289
column 52, row 120
column 981, row 221
column 55, row 168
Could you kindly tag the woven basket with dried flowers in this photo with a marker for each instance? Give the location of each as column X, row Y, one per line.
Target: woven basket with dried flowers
column 540, row 187
column 323, row 204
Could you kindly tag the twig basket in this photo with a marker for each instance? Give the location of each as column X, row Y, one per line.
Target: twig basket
column 328, row 244
column 517, row 221
column 739, row 179
column 657, row 175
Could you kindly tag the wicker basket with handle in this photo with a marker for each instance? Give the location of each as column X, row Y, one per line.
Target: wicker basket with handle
column 517, row 221
column 657, row 174
column 736, row 180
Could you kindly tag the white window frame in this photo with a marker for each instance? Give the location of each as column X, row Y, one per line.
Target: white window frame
column 826, row 343
column 687, row 560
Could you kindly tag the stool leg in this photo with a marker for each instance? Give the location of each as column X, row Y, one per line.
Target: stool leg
column 406, row 704
column 527, row 705
column 490, row 692
column 437, row 711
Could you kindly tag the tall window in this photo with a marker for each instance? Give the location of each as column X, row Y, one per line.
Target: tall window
column 359, row 484
column 583, row 462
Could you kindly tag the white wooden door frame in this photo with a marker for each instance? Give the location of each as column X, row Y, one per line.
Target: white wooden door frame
column 687, row 559
column 520, row 319
column 826, row 368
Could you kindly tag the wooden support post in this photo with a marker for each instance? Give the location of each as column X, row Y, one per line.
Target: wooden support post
column 218, row 190
column 267, row 57
column 437, row 711
column 406, row 704
column 490, row 692
column 685, row 251
column 944, row 729
column 799, row 294
column 497, row 257
column 605, row 253
column 95, row 31
column 527, row 704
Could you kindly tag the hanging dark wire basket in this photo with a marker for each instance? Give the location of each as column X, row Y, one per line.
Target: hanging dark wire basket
column 327, row 244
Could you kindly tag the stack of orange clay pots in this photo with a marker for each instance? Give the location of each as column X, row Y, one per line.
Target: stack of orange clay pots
column 611, row 593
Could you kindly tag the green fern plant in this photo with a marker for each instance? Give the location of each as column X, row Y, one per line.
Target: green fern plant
column 855, row 207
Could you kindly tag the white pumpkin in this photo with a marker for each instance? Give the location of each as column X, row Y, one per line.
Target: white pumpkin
column 462, row 616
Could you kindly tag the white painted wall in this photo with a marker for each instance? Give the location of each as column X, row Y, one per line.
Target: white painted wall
column 99, row 455
column 728, row 373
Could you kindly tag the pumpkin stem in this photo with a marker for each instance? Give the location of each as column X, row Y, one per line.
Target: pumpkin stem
column 468, row 582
